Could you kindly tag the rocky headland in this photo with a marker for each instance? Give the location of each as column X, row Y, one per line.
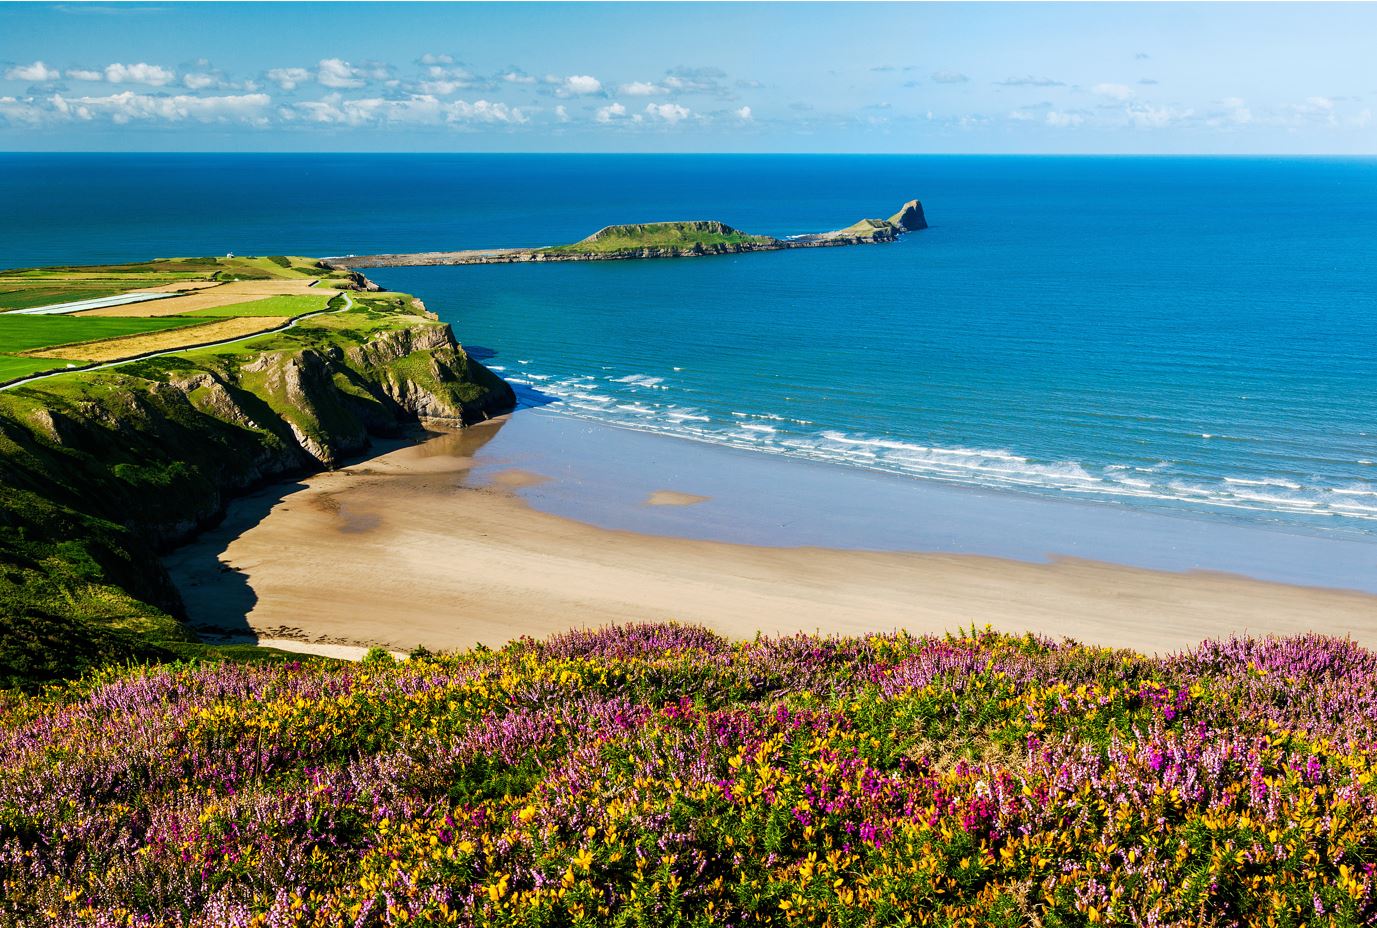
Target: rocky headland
column 100, row 470
column 681, row 239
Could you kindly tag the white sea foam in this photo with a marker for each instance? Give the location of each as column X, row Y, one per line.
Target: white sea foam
column 627, row 401
column 641, row 380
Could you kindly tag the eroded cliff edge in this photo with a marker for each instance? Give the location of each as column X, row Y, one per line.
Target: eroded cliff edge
column 100, row 470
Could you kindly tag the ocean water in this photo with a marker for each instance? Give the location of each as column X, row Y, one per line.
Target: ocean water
column 1181, row 335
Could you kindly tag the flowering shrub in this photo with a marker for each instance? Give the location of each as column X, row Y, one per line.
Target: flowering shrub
column 658, row 775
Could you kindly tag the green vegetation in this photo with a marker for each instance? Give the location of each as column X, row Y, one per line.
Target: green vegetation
column 100, row 469
column 28, row 333
column 869, row 227
column 673, row 236
column 289, row 305
column 13, row 368
column 24, row 297
column 26, row 288
column 659, row 776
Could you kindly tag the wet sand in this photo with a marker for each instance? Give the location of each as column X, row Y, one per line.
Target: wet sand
column 435, row 544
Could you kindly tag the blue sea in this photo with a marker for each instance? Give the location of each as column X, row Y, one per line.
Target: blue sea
column 1181, row 335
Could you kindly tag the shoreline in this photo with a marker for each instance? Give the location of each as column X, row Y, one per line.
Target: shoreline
column 447, row 543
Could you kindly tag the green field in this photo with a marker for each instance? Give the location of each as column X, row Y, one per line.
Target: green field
column 27, row 333
column 30, row 297
column 271, row 306
column 12, row 368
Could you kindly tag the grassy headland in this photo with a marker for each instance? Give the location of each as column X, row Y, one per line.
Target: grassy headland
column 681, row 239
column 101, row 469
column 661, row 236
column 659, row 775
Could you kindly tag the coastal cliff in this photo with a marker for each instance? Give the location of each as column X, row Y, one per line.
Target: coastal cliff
column 100, row 470
column 680, row 239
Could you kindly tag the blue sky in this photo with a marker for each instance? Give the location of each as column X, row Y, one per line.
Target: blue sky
column 1272, row 78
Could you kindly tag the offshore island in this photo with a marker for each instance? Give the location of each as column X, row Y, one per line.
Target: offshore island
column 681, row 239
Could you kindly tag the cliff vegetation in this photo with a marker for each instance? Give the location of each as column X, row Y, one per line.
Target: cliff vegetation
column 102, row 469
column 657, row 775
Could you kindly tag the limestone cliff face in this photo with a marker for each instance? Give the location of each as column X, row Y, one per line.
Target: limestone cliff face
column 910, row 218
column 158, row 446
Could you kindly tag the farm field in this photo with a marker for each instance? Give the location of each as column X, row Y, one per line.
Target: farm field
column 218, row 298
column 289, row 305
column 198, row 331
column 213, row 297
column 12, row 367
column 20, row 334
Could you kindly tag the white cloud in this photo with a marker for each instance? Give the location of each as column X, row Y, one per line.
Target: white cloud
column 442, row 88
column 669, row 112
column 516, row 76
column 1239, row 114
column 141, row 73
column 744, row 113
column 14, row 110
column 418, row 109
column 1022, row 116
column 84, row 74
column 129, row 106
column 1113, row 91
column 1059, row 120
column 642, row 89
column 38, row 71
column 610, row 113
column 337, row 73
column 949, row 77
column 437, row 59
column 197, row 81
column 1149, row 116
column 1320, row 103
column 581, row 84
column 561, row 113
column 289, row 78
column 1031, row 81
column 685, row 80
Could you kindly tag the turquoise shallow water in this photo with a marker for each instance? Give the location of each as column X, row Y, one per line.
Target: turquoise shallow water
column 1179, row 335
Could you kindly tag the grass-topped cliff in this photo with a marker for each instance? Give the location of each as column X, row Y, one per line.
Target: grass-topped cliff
column 100, row 469
column 653, row 776
column 662, row 236
column 683, row 239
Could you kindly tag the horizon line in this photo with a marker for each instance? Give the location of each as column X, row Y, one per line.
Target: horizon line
column 712, row 154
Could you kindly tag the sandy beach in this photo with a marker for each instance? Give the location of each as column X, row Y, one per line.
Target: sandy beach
column 421, row 545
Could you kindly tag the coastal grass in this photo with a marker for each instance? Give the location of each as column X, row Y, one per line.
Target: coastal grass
column 13, row 367
column 20, row 334
column 667, row 235
column 286, row 305
column 20, row 297
column 200, row 331
column 101, row 468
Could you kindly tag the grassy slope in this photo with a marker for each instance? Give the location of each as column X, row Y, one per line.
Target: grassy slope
column 97, row 468
column 29, row 333
column 13, row 368
column 673, row 235
column 287, row 305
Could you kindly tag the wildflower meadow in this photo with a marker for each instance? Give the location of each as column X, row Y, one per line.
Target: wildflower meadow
column 659, row 775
